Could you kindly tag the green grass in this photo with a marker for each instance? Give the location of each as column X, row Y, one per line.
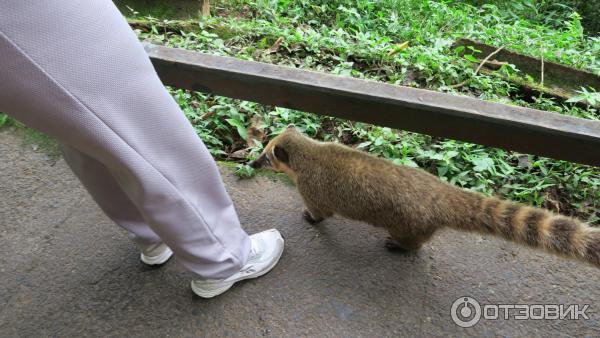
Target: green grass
column 550, row 12
column 172, row 9
column 34, row 139
column 354, row 38
column 5, row 120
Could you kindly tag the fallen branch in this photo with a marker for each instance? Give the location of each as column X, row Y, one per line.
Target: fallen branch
column 495, row 64
column 484, row 61
column 275, row 47
column 542, row 73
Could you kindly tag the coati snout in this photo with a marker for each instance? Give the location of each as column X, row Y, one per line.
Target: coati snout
column 411, row 203
column 272, row 155
column 261, row 162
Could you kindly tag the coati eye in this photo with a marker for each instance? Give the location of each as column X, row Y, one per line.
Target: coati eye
column 280, row 154
column 268, row 160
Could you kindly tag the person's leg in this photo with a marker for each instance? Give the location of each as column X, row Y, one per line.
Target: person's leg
column 116, row 205
column 75, row 70
column 107, row 193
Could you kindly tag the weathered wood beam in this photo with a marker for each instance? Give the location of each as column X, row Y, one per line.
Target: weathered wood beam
column 205, row 8
column 456, row 117
column 556, row 76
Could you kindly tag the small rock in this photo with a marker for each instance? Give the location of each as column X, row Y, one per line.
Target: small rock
column 239, row 154
column 524, row 161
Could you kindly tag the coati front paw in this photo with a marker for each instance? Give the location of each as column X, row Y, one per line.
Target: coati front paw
column 310, row 218
column 394, row 245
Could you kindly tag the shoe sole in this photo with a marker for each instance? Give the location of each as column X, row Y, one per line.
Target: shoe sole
column 157, row 260
column 212, row 293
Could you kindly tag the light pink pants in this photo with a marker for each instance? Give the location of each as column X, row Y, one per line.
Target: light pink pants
column 76, row 71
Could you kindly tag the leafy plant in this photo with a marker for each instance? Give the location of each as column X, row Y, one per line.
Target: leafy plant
column 5, row 120
column 590, row 97
column 244, row 171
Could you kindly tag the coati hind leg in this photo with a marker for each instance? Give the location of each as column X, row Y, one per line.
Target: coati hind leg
column 404, row 241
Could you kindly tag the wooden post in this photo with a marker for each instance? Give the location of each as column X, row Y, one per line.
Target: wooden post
column 205, row 8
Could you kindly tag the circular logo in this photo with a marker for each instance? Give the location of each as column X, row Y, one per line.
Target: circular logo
column 465, row 312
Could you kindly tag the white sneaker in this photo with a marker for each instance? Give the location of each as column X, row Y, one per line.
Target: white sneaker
column 267, row 247
column 155, row 254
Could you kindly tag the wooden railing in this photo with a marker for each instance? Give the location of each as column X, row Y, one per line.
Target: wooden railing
column 438, row 114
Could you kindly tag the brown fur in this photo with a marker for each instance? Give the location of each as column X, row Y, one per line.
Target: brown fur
column 411, row 203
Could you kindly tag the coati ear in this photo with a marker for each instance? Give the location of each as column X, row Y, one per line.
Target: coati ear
column 291, row 126
column 281, row 154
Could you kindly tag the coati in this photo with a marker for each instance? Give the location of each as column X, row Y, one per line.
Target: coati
column 411, row 203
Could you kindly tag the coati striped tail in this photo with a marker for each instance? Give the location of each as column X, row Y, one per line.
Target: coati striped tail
column 537, row 228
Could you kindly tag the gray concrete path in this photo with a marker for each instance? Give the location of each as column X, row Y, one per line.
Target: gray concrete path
column 67, row 271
